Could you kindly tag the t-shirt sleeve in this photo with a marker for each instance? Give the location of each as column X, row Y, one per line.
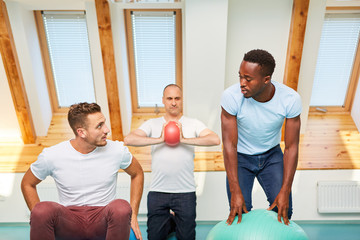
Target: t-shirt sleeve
column 40, row 167
column 126, row 156
column 228, row 101
column 295, row 108
column 199, row 127
column 146, row 127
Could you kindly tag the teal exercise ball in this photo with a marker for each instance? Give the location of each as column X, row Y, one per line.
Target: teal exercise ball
column 132, row 235
column 259, row 224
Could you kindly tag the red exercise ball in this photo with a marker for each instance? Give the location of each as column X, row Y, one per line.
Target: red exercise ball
column 172, row 134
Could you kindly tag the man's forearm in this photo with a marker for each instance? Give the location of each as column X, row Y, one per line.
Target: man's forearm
column 136, row 191
column 207, row 140
column 292, row 135
column 230, row 162
column 30, row 195
column 135, row 140
column 290, row 165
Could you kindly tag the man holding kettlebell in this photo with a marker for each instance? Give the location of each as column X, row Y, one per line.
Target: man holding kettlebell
column 172, row 200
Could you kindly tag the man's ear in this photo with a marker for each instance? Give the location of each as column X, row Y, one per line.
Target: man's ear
column 267, row 79
column 81, row 132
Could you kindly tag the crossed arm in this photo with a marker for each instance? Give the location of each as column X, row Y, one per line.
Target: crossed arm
column 138, row 138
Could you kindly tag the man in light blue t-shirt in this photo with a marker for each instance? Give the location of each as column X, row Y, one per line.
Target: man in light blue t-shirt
column 253, row 112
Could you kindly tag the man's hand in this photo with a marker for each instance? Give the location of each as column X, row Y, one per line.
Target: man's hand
column 181, row 132
column 237, row 206
column 135, row 227
column 282, row 203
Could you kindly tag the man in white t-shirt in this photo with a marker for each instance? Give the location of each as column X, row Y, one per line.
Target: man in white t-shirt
column 173, row 185
column 253, row 112
column 85, row 171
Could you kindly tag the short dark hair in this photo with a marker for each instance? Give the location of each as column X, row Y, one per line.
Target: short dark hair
column 171, row 85
column 78, row 113
column 265, row 60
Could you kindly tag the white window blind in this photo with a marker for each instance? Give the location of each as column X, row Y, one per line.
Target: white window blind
column 338, row 44
column 68, row 43
column 154, row 50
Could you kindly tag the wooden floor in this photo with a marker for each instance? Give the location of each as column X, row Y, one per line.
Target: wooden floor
column 330, row 142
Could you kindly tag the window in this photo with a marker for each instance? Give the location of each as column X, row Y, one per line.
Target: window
column 154, row 47
column 66, row 53
column 336, row 68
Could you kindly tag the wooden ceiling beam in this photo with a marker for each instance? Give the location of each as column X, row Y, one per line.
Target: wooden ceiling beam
column 107, row 50
column 14, row 76
column 296, row 42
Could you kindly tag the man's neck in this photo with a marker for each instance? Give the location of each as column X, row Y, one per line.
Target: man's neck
column 81, row 146
column 267, row 94
column 169, row 117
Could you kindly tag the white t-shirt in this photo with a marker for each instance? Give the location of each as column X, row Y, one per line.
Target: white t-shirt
column 173, row 167
column 259, row 123
column 83, row 179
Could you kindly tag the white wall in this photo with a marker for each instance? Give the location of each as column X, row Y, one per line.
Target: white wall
column 212, row 203
column 257, row 24
column 28, row 51
column 120, row 51
column 314, row 23
column 9, row 126
column 205, row 26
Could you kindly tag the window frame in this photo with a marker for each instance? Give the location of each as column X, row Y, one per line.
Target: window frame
column 46, row 62
column 354, row 75
column 39, row 21
column 131, row 57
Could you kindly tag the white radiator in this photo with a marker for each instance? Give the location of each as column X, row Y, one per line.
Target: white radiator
column 338, row 196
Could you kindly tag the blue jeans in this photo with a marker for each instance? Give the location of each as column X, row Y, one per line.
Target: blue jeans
column 161, row 223
column 268, row 169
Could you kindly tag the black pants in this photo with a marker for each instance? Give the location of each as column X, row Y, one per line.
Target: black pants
column 160, row 222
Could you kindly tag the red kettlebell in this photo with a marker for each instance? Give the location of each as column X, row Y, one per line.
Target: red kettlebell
column 172, row 134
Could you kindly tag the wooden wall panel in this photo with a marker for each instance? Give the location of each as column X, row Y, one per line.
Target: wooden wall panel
column 14, row 76
column 107, row 50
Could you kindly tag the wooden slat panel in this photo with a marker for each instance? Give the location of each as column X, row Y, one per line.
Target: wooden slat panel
column 14, row 76
column 107, row 50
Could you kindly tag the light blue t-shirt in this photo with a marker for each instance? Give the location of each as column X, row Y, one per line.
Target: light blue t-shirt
column 259, row 123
